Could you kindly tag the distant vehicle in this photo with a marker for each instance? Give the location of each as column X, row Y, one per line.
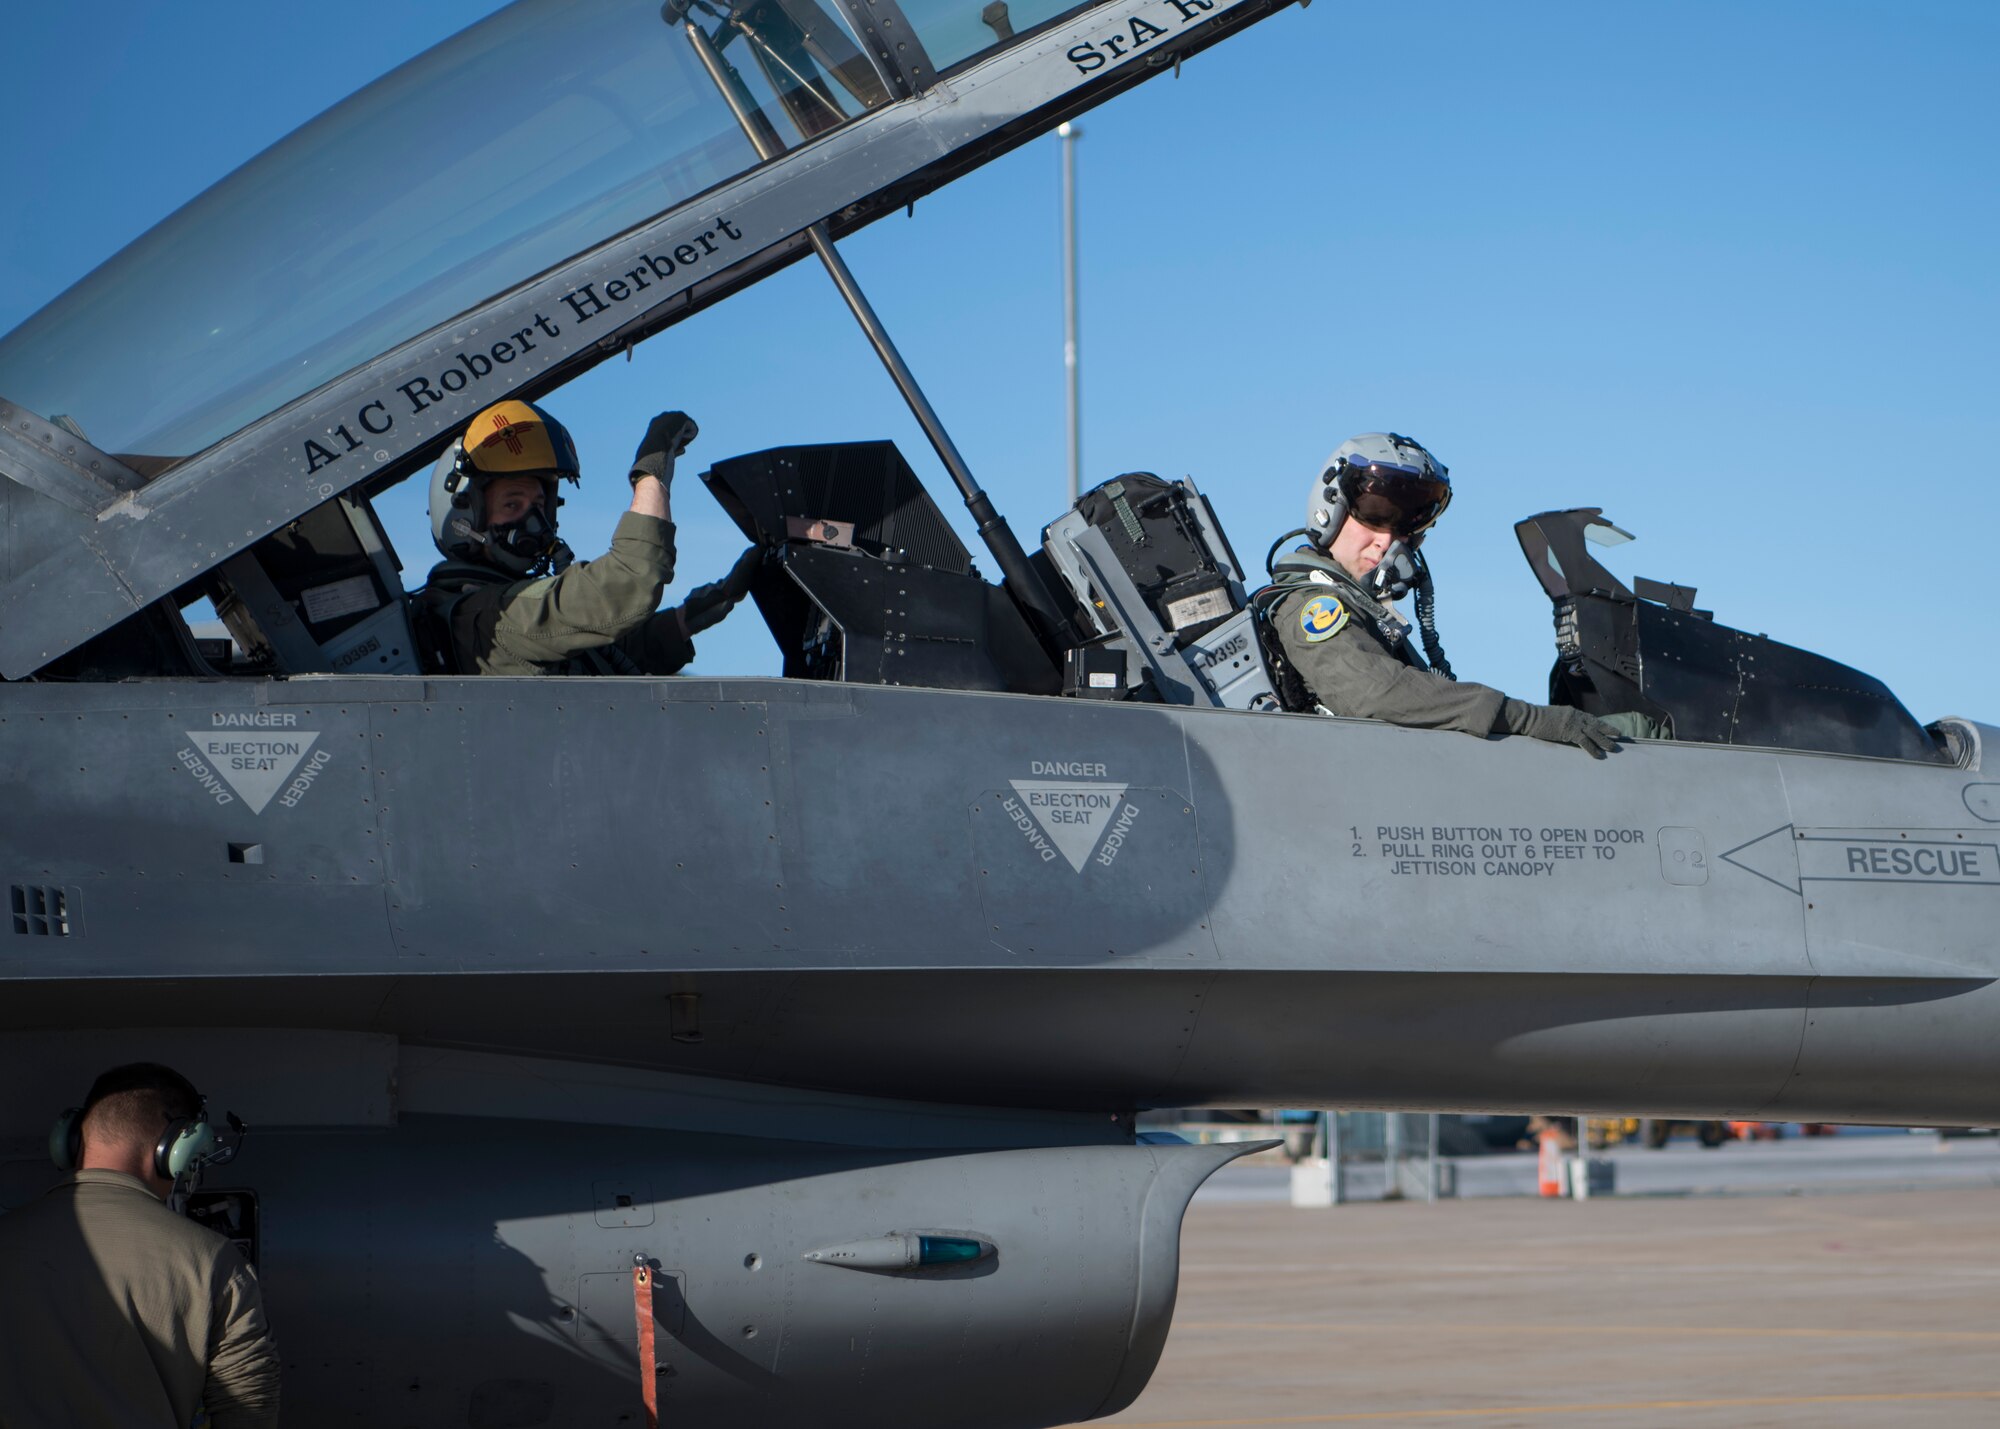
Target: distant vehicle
column 1656, row 1133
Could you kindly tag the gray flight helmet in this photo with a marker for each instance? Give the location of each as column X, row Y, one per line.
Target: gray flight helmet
column 1384, row 479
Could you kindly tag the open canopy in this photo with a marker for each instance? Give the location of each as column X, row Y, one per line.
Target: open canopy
column 489, row 219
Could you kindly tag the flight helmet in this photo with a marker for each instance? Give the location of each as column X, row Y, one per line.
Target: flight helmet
column 1382, row 480
column 509, row 438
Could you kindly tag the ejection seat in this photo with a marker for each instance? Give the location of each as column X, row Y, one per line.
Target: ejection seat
column 868, row 584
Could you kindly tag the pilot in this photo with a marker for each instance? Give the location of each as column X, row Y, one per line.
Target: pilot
column 1330, row 606
column 507, row 600
column 116, row 1310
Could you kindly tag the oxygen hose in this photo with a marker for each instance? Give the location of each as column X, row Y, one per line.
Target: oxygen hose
column 1427, row 621
column 1271, row 556
column 1426, row 601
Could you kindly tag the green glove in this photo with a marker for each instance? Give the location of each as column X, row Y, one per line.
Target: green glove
column 1560, row 724
column 706, row 605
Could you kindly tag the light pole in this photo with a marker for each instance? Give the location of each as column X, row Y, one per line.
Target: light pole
column 1069, row 134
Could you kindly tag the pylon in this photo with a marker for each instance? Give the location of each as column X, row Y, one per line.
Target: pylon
column 1548, row 1167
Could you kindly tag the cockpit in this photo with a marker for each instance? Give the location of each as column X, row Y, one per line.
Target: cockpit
column 210, row 415
column 1155, row 609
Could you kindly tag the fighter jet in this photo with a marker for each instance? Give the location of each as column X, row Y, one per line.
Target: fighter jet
column 793, row 1079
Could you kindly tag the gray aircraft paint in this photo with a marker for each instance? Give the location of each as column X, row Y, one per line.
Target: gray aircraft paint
column 816, row 902
column 748, row 968
column 859, row 884
column 492, row 1201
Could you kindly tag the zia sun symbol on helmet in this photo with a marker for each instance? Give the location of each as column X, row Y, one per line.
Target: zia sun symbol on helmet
column 509, row 439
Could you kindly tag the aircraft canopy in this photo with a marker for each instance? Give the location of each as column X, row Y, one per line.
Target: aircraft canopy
column 538, row 193
column 494, row 156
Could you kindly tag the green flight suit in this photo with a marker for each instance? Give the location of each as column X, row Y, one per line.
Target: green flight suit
column 1355, row 657
column 1362, row 666
column 596, row 617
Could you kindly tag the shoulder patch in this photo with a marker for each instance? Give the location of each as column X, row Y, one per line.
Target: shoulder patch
column 1322, row 618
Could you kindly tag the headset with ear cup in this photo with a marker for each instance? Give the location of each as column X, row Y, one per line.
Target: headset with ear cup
column 186, row 1140
column 66, row 1140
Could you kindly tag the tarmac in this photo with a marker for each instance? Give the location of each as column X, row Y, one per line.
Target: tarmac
column 1857, row 1159
column 1812, row 1298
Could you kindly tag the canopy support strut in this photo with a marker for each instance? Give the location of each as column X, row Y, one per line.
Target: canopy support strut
column 1020, row 577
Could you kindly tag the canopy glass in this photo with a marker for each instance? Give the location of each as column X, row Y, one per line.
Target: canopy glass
column 534, row 135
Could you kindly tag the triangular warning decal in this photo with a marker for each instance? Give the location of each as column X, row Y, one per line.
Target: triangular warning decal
column 1073, row 815
column 256, row 762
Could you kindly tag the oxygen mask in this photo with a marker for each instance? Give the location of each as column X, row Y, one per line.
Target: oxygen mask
column 527, row 540
column 523, row 544
column 1396, row 572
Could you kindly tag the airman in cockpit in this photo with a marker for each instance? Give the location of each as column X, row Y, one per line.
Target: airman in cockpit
column 509, row 599
column 1331, row 606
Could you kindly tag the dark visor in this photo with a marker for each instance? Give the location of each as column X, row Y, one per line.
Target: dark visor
column 1400, row 502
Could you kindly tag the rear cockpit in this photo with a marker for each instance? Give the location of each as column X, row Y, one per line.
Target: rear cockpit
column 323, row 321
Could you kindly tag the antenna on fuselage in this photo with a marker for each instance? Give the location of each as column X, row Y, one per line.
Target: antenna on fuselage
column 1020, row 577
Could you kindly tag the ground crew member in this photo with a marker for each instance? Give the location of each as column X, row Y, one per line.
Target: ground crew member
column 116, row 1313
column 506, row 599
column 1347, row 650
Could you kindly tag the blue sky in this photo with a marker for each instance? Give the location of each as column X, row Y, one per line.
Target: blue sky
column 1727, row 271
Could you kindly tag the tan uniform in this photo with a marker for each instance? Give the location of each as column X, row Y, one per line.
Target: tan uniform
column 115, row 1313
column 597, row 617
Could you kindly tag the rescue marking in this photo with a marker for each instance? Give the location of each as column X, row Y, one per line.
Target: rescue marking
column 1791, row 857
column 255, row 766
column 1896, row 856
column 1322, row 618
